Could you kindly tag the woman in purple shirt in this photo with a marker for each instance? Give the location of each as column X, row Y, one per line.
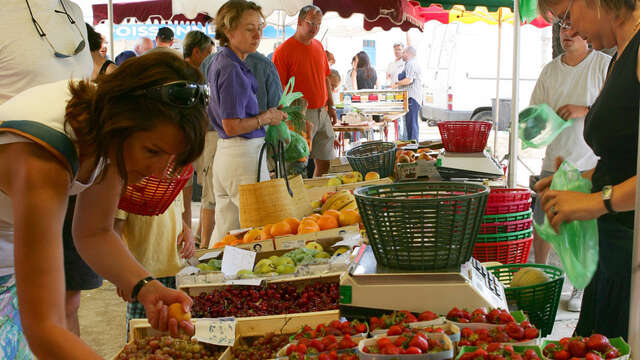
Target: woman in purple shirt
column 234, row 111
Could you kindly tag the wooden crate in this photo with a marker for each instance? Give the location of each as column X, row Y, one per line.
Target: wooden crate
column 290, row 242
column 339, row 165
column 317, row 187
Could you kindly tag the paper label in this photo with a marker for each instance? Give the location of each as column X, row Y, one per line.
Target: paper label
column 235, row 259
column 220, row 331
column 209, row 255
column 188, row 270
column 250, row 282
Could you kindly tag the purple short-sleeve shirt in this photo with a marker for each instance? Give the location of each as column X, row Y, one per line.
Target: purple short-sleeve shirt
column 233, row 92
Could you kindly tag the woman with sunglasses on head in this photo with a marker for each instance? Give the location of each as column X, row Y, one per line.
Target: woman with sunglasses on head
column 611, row 130
column 78, row 137
column 234, row 111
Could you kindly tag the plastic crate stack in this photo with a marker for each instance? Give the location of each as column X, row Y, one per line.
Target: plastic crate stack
column 506, row 231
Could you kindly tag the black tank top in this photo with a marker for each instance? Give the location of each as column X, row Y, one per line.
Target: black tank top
column 611, row 126
column 104, row 67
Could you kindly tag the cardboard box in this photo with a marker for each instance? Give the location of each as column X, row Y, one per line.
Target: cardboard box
column 290, row 242
column 339, row 164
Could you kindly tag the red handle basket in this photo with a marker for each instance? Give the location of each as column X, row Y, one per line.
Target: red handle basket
column 506, row 252
column 464, row 136
column 152, row 195
column 507, row 207
column 501, row 196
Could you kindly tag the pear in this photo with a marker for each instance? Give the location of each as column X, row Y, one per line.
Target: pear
column 246, row 274
column 322, row 255
column 264, row 266
column 204, row 267
column 314, row 245
column 286, row 269
column 334, row 181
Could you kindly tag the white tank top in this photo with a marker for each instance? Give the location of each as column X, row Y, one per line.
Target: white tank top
column 42, row 105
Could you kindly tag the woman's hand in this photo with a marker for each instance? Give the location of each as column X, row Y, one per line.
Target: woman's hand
column 272, row 116
column 188, row 242
column 156, row 298
column 567, row 206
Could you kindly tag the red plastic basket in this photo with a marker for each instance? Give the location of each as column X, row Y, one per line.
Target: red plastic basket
column 464, row 136
column 507, row 207
column 508, row 195
column 153, row 195
column 506, row 252
column 505, row 227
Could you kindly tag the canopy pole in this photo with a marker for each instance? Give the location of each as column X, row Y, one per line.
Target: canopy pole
column 634, row 310
column 497, row 110
column 111, row 41
column 515, row 93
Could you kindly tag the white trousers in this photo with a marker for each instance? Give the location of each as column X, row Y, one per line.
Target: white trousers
column 235, row 163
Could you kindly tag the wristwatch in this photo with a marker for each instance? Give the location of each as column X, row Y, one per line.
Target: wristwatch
column 607, row 192
column 139, row 285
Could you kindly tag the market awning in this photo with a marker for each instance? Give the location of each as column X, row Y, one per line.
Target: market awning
column 492, row 5
column 385, row 13
column 143, row 11
column 192, row 7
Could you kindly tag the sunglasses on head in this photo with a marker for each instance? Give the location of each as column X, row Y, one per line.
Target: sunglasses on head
column 180, row 93
column 81, row 45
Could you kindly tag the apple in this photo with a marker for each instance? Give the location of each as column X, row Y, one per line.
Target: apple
column 372, row 175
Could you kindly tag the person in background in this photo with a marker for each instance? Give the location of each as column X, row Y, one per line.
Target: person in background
column 196, row 46
column 143, row 45
column 349, row 84
column 334, row 81
column 611, row 130
column 570, row 83
column 395, row 67
column 104, row 48
column 90, row 139
column 330, row 58
column 303, row 56
column 410, row 79
column 164, row 37
column 234, row 111
column 159, row 243
column 363, row 76
column 100, row 64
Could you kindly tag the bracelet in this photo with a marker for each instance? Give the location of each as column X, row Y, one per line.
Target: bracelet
column 259, row 123
column 139, row 285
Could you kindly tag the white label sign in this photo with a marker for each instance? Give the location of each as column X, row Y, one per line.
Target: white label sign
column 235, row 259
column 220, row 331
column 209, row 255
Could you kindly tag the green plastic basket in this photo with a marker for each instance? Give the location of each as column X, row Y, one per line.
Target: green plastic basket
column 488, row 219
column 618, row 343
column 539, row 302
column 373, row 156
column 422, row 225
column 512, row 236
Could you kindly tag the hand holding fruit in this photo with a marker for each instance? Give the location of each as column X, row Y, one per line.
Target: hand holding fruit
column 154, row 296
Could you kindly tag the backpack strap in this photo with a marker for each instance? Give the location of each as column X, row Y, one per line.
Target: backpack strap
column 57, row 143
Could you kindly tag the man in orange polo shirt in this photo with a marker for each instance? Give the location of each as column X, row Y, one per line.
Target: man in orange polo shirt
column 303, row 57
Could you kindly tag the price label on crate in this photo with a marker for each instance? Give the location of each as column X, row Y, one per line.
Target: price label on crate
column 220, row 331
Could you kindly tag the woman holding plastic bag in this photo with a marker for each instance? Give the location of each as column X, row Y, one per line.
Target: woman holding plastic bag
column 234, row 111
column 611, row 130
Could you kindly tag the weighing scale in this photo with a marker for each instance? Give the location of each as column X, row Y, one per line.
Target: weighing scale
column 368, row 289
column 477, row 165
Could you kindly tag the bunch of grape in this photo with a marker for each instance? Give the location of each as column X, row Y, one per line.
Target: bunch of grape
column 168, row 348
column 265, row 347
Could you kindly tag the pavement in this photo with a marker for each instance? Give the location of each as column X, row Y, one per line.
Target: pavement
column 102, row 313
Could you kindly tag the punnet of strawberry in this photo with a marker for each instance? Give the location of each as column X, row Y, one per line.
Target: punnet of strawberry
column 407, row 344
column 594, row 347
column 329, row 355
column 510, row 333
column 395, row 318
column 480, row 315
column 305, row 347
column 496, row 351
column 335, row 328
column 395, row 330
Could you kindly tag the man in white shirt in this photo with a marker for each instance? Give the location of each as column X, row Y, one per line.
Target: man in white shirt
column 570, row 83
column 395, row 67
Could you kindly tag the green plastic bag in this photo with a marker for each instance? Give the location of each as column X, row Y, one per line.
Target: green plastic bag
column 297, row 148
column 577, row 242
column 538, row 125
column 528, row 10
column 281, row 131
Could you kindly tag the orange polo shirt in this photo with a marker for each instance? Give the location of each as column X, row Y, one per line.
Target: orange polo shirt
column 308, row 63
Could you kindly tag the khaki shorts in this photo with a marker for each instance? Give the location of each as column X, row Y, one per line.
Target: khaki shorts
column 204, row 166
column 322, row 135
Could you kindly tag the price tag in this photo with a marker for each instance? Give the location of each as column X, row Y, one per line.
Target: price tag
column 209, row 255
column 251, row 282
column 235, row 259
column 220, row 331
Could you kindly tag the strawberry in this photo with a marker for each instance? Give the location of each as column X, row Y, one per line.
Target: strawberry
column 400, row 340
column 577, row 348
column 316, row 344
column 599, row 343
column 478, row 318
column 427, row 316
column 492, row 316
column 530, row 333
column 390, row 350
column 420, row 343
column 531, row 354
column 413, row 350
column 561, row 355
column 346, row 343
column 592, row 356
column 360, row 327
column 394, row 330
column 324, row 356
column 505, row 318
column 383, row 341
column 612, row 353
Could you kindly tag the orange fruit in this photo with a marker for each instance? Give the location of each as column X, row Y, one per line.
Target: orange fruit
column 235, row 242
column 326, row 222
column 293, row 224
column 315, row 216
column 308, row 218
column 266, row 232
column 349, row 217
column 228, row 239
column 219, row 244
column 332, row 212
column 281, row 228
column 251, row 236
column 307, row 222
column 308, row 229
column 176, row 312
